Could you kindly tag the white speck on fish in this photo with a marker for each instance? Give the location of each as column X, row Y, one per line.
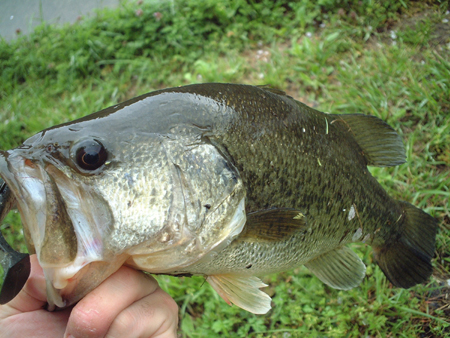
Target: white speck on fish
column 357, row 235
column 351, row 213
column 366, row 238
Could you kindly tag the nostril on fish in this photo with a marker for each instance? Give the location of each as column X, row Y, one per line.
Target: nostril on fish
column 29, row 163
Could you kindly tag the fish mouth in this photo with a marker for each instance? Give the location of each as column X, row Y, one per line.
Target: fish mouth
column 60, row 226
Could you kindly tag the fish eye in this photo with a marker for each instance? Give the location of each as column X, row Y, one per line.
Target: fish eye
column 90, row 155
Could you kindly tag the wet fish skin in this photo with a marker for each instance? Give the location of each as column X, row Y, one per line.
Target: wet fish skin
column 211, row 149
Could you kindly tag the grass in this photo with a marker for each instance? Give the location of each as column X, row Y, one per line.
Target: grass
column 389, row 60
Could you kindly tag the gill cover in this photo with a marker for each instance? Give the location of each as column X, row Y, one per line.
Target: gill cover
column 206, row 213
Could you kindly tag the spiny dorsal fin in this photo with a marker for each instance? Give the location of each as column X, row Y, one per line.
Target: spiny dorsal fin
column 242, row 291
column 273, row 90
column 272, row 225
column 381, row 145
column 340, row 268
column 406, row 260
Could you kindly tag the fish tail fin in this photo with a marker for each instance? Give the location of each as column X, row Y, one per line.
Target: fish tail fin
column 406, row 261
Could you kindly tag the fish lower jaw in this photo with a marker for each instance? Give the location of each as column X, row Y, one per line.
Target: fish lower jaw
column 59, row 283
column 67, row 285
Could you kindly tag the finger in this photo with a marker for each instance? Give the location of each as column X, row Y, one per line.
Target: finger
column 155, row 315
column 33, row 295
column 93, row 315
column 40, row 323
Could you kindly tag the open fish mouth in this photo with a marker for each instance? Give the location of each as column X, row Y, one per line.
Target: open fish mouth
column 66, row 238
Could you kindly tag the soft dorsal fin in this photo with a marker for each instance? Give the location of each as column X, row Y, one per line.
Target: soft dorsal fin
column 340, row 268
column 272, row 225
column 381, row 145
column 242, row 291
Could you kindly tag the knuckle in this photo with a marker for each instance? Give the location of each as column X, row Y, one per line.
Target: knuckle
column 124, row 325
column 83, row 322
column 172, row 306
column 157, row 313
column 169, row 310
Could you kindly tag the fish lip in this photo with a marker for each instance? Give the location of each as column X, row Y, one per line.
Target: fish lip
column 26, row 186
column 6, row 174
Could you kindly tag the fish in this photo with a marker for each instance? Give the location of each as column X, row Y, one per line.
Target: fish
column 228, row 181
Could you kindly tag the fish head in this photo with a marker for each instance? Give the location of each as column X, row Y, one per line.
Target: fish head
column 117, row 189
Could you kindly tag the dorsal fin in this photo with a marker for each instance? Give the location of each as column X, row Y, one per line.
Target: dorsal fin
column 381, row 145
column 273, row 90
column 272, row 225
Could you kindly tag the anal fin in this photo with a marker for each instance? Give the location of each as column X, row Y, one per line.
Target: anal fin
column 340, row 268
column 241, row 291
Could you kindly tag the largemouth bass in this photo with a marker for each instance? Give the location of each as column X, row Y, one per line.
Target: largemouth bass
column 227, row 181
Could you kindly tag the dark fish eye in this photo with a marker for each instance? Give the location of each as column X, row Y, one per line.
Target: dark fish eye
column 91, row 155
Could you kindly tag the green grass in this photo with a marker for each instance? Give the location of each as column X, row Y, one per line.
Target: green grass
column 338, row 56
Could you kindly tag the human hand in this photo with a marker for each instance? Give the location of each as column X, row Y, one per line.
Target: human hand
column 127, row 304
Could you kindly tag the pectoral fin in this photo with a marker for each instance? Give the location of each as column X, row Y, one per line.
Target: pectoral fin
column 340, row 268
column 241, row 291
column 272, row 225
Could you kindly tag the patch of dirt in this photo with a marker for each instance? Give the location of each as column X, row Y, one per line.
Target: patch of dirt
column 437, row 304
column 431, row 27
